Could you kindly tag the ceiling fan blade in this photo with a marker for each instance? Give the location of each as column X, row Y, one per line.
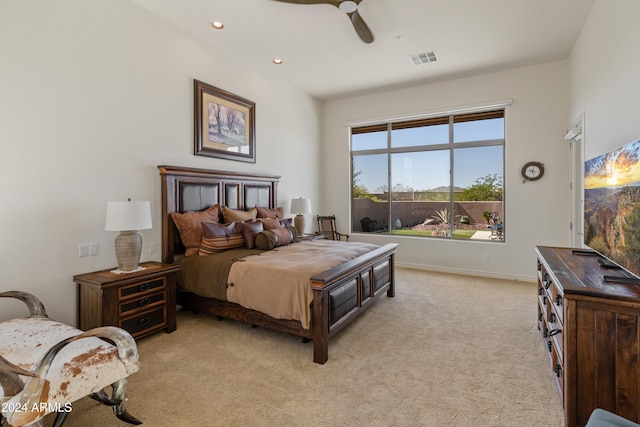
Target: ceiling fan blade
column 361, row 27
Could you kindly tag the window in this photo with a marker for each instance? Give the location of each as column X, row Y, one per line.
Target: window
column 436, row 177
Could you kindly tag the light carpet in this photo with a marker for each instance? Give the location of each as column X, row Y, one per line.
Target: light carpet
column 447, row 350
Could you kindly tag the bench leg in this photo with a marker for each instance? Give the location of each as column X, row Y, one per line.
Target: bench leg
column 119, row 388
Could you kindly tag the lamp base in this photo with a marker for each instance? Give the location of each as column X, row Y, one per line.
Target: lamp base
column 298, row 223
column 128, row 249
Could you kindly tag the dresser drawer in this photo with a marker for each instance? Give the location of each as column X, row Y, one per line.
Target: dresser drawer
column 145, row 301
column 139, row 289
column 557, row 367
column 143, row 322
column 555, row 331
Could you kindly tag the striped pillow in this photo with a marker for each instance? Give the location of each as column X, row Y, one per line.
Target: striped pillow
column 220, row 237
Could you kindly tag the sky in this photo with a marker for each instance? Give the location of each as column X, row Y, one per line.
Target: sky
column 617, row 168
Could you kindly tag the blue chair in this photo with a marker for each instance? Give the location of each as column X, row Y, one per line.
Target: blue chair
column 601, row 418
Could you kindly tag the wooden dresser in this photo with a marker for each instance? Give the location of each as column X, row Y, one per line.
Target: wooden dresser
column 591, row 333
column 141, row 302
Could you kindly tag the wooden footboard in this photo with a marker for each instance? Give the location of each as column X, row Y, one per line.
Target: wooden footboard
column 342, row 293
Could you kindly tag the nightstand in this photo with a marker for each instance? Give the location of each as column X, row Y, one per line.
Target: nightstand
column 141, row 302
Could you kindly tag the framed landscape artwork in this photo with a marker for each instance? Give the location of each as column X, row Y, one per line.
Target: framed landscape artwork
column 612, row 205
column 224, row 124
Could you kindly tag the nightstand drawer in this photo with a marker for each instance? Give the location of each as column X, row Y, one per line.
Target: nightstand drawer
column 140, row 303
column 133, row 291
column 145, row 321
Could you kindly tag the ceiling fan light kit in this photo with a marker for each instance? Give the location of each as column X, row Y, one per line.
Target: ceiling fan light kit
column 351, row 9
column 348, row 6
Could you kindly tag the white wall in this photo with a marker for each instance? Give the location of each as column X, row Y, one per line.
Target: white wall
column 535, row 212
column 93, row 96
column 604, row 74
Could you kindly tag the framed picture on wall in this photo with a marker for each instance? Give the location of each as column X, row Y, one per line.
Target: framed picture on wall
column 224, row 124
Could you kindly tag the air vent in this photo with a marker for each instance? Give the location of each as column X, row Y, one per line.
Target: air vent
column 423, row 58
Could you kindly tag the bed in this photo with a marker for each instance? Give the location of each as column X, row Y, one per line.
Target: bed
column 339, row 294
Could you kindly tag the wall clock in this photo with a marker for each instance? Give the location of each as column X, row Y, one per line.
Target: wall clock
column 532, row 171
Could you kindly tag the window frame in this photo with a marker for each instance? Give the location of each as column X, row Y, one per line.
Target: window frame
column 450, row 118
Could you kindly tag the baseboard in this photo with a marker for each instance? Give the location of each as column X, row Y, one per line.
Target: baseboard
column 464, row 272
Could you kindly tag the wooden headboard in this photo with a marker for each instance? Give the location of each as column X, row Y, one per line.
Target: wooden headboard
column 190, row 189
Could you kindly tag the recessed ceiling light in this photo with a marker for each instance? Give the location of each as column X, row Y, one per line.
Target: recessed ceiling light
column 217, row 25
column 277, row 61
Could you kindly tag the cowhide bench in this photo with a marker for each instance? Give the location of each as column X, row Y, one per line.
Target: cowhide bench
column 45, row 366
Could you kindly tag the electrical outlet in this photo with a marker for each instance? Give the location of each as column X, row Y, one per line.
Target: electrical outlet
column 153, row 247
column 93, row 249
column 83, row 250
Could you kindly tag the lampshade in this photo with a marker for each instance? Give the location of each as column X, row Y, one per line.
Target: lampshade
column 300, row 206
column 129, row 215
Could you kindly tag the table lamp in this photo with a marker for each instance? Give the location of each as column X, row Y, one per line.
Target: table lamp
column 300, row 207
column 127, row 218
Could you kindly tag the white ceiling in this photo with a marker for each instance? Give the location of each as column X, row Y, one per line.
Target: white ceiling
column 324, row 57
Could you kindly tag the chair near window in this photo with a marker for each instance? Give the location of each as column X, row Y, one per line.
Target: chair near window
column 327, row 227
column 496, row 226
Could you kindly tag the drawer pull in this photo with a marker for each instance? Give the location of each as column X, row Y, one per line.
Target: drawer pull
column 143, row 302
column 143, row 321
column 558, row 300
column 143, row 287
column 547, row 284
column 558, row 370
column 549, row 346
column 552, row 318
column 554, row 332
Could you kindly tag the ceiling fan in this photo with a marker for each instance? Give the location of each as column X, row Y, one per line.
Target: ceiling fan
column 348, row 7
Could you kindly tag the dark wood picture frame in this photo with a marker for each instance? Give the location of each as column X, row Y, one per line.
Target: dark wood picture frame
column 224, row 124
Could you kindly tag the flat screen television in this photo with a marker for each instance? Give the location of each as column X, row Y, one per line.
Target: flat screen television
column 612, row 205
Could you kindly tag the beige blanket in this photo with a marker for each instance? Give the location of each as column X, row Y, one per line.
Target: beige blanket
column 277, row 282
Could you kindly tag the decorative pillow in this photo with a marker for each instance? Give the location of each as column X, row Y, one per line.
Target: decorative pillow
column 294, row 232
column 269, row 239
column 286, row 222
column 271, row 213
column 271, row 223
column 220, row 237
column 250, row 230
column 232, row 215
column 189, row 225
